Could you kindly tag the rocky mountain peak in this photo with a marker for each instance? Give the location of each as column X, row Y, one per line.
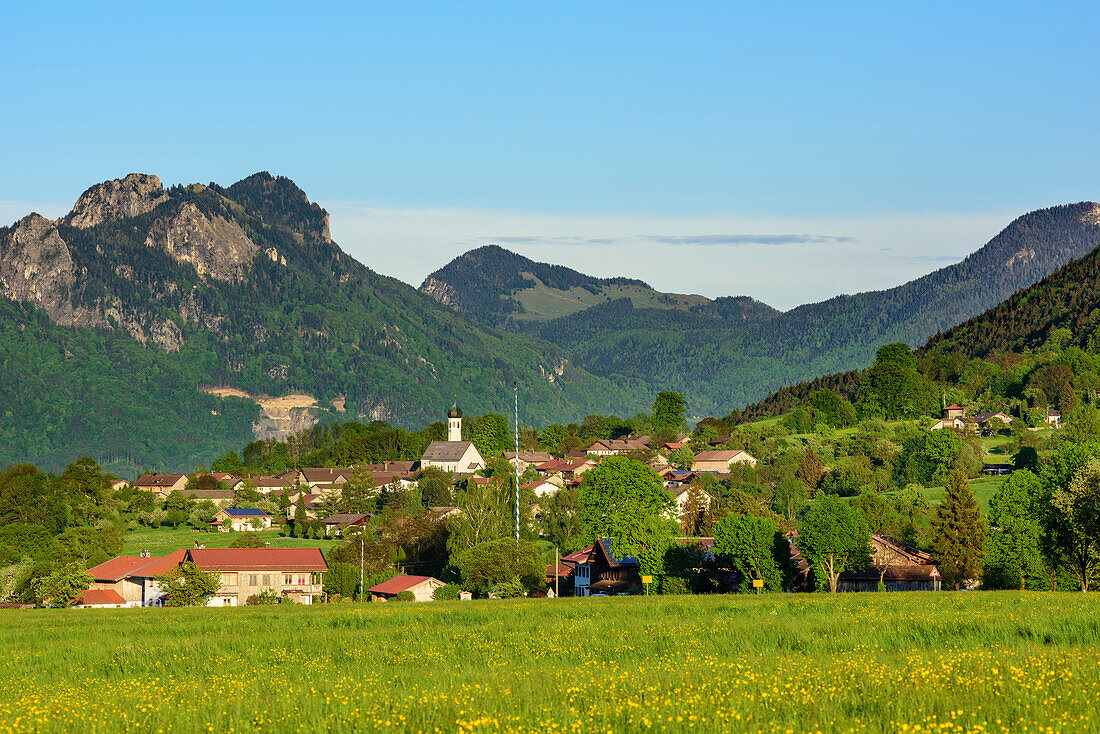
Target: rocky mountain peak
column 117, row 199
column 216, row 247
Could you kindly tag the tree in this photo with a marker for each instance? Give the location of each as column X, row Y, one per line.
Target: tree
column 1076, row 522
column 62, row 587
column 682, row 458
column 811, row 471
column 490, row 434
column 790, row 495
column 693, row 519
column 561, row 520
column 301, row 518
column 435, row 487
column 87, row 486
column 833, row 537
column 958, row 533
column 187, row 585
column 1012, row 552
column 750, row 544
column 342, row 580
column 668, row 412
column 497, row 561
column 247, row 540
column 552, row 437
column 876, row 511
column 625, row 500
column 486, row 515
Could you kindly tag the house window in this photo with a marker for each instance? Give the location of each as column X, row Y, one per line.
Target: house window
column 229, row 579
column 287, row 579
column 267, row 579
column 252, row 580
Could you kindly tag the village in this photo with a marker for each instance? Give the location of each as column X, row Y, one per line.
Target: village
column 246, row 574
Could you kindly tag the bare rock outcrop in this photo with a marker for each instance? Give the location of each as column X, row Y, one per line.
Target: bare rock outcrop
column 36, row 266
column 117, row 199
column 217, row 248
column 441, row 291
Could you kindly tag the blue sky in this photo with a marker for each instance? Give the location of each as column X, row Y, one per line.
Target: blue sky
column 631, row 119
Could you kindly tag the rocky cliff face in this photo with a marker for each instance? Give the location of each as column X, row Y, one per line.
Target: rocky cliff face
column 120, row 198
column 36, row 266
column 216, row 247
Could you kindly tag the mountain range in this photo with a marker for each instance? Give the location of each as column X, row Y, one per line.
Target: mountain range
column 725, row 353
column 154, row 327
column 158, row 328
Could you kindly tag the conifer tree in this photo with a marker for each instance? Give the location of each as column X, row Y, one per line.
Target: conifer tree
column 958, row 533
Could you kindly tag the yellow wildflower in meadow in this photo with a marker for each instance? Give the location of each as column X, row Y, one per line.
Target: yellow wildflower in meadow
column 945, row 662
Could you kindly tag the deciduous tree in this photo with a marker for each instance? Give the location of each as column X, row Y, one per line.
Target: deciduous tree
column 833, row 537
column 750, row 543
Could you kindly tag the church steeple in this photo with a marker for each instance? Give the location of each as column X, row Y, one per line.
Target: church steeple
column 454, row 423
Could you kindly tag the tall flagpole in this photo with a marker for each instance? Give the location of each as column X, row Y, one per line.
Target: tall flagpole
column 515, row 386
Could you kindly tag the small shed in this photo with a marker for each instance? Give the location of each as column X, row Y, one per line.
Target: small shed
column 422, row 588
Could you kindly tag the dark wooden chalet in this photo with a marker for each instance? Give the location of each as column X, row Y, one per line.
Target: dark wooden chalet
column 602, row 573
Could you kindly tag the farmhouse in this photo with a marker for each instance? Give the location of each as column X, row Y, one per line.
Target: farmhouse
column 618, row 446
column 131, row 579
column 294, row 573
column 161, row 484
column 337, row 524
column 527, row 458
column 422, row 588
column 239, row 520
column 542, row 487
column 720, row 460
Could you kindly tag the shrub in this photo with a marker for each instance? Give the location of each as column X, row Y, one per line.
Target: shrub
column 673, row 585
column 267, row 596
column 405, row 596
column 449, row 592
column 507, row 589
column 247, row 540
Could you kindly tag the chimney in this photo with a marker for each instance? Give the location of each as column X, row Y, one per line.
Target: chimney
column 196, row 544
column 267, row 544
column 145, row 554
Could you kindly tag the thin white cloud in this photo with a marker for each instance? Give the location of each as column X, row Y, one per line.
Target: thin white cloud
column 677, row 254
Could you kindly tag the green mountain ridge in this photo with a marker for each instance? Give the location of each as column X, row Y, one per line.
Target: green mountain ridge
column 116, row 314
column 1060, row 311
column 722, row 362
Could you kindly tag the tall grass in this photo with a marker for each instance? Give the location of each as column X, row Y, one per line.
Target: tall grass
column 859, row 662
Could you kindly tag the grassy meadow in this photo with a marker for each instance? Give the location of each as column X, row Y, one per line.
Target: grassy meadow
column 903, row 662
column 162, row 541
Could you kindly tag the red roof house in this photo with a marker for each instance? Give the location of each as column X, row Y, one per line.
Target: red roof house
column 422, row 587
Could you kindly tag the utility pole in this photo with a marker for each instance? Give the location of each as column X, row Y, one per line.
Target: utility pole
column 515, row 387
column 557, row 591
column 361, row 544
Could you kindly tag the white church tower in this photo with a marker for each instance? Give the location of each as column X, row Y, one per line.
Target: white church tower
column 454, row 423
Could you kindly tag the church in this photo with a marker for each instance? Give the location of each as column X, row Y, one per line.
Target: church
column 454, row 454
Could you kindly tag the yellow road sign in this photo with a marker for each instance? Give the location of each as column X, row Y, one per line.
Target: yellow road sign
column 647, row 579
column 757, row 583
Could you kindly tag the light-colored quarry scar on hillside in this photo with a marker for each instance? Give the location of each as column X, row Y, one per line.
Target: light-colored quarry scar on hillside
column 283, row 415
column 540, row 301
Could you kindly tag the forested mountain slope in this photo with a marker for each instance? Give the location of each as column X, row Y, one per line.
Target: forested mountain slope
column 115, row 315
column 501, row 288
column 725, row 362
column 1060, row 312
